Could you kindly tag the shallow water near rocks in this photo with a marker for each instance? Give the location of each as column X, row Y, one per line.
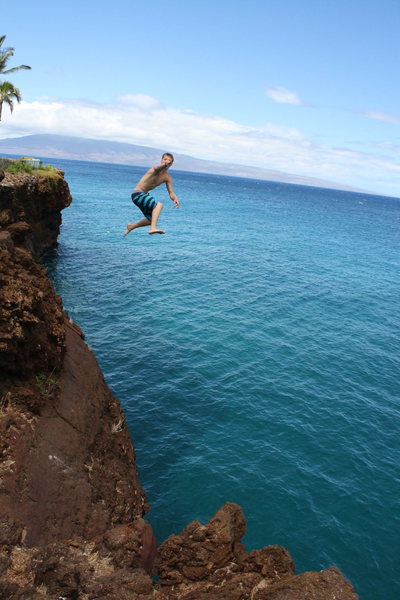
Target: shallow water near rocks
column 255, row 350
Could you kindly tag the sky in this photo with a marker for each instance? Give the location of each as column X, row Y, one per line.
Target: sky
column 309, row 87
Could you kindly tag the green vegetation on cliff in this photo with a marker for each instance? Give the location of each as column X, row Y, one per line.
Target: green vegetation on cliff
column 23, row 166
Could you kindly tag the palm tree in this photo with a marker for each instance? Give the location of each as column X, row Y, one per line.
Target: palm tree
column 5, row 55
column 8, row 93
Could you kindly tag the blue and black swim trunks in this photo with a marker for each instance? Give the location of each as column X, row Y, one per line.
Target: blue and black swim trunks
column 145, row 203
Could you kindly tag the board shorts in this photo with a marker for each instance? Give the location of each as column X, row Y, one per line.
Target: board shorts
column 145, row 203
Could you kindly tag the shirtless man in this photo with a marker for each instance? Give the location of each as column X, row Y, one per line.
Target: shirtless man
column 149, row 206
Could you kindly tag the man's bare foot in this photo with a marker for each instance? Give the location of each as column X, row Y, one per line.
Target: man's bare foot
column 156, row 231
column 128, row 230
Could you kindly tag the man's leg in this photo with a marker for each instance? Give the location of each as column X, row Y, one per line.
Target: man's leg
column 131, row 226
column 154, row 218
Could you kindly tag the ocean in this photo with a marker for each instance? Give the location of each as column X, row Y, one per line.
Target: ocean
column 255, row 350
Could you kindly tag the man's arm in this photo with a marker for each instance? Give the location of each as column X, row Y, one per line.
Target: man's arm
column 160, row 167
column 171, row 192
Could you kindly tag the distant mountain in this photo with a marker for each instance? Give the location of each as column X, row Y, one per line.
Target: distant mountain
column 76, row 148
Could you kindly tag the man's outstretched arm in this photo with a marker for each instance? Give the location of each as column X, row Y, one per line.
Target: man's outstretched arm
column 171, row 192
column 160, row 167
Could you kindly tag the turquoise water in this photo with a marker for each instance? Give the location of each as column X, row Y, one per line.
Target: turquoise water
column 255, row 350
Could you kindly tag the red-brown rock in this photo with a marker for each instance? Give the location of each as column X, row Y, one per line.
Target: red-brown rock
column 37, row 201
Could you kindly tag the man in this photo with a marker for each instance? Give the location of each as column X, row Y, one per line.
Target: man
column 149, row 206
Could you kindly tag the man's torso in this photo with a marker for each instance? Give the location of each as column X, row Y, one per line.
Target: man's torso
column 151, row 180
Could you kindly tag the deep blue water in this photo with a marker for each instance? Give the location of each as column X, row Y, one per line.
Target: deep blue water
column 255, row 350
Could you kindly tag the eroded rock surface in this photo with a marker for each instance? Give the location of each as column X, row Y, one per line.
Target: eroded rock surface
column 30, row 208
column 67, row 465
column 207, row 562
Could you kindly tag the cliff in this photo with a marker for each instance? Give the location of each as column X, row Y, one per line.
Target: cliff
column 71, row 505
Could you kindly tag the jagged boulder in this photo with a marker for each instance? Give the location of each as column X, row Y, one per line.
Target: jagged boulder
column 209, row 562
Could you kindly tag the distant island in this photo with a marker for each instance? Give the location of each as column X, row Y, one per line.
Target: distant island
column 77, row 148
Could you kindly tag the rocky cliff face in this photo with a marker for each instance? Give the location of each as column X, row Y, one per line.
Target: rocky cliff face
column 71, row 505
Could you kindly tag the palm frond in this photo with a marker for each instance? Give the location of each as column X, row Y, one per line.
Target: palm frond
column 9, row 91
column 16, row 69
column 5, row 55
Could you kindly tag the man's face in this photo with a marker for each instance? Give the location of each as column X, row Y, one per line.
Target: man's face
column 166, row 160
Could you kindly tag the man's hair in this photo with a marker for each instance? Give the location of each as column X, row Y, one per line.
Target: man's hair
column 168, row 154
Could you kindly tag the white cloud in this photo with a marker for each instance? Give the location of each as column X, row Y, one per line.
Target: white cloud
column 382, row 116
column 282, row 95
column 390, row 147
column 140, row 101
column 143, row 120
